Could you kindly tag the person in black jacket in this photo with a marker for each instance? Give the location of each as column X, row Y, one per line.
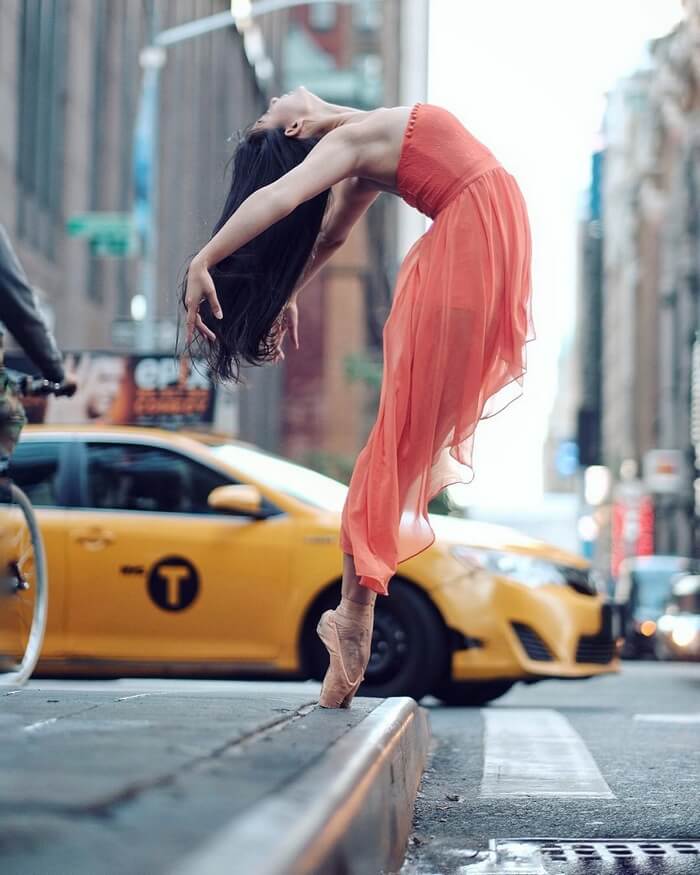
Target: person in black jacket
column 20, row 315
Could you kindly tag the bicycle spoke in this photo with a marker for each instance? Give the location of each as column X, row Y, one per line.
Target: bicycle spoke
column 22, row 617
column 25, row 616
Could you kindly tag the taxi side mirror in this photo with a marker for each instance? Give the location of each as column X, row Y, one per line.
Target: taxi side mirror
column 239, row 498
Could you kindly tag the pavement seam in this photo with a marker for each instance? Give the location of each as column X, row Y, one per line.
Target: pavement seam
column 32, row 727
column 103, row 808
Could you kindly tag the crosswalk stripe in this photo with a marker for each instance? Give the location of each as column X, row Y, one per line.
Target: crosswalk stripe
column 668, row 718
column 536, row 752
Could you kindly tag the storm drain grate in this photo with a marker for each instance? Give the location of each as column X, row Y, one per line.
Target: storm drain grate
column 543, row 856
column 620, row 855
column 619, row 851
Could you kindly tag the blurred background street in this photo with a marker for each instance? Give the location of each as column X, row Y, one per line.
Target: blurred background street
column 190, row 529
column 112, row 164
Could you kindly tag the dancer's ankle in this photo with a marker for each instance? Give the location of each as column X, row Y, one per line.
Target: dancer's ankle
column 356, row 610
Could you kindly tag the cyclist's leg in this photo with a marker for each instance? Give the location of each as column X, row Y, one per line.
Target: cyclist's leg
column 12, row 418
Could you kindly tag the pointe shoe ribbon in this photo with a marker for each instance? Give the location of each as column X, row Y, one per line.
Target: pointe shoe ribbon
column 336, row 692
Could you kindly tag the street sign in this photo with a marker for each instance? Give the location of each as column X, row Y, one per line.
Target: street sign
column 664, row 471
column 109, row 234
column 92, row 224
column 566, row 458
column 125, row 334
column 114, row 245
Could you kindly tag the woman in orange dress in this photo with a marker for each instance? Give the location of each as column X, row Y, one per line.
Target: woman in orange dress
column 455, row 339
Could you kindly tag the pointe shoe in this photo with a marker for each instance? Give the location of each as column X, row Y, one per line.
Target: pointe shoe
column 338, row 690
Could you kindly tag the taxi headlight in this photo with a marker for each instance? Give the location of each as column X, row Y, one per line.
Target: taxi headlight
column 683, row 633
column 646, row 628
column 528, row 570
column 665, row 623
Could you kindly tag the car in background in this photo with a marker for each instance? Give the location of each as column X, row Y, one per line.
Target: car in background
column 678, row 629
column 643, row 588
column 199, row 556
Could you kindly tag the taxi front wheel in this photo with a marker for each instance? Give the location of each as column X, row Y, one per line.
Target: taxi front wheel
column 409, row 649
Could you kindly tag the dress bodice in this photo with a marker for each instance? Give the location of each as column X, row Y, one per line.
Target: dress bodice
column 439, row 157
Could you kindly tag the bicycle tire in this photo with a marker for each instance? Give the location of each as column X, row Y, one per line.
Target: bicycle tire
column 23, row 669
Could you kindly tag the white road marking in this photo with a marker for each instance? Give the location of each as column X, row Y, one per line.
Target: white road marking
column 135, row 696
column 668, row 718
column 68, row 724
column 40, row 725
column 536, row 752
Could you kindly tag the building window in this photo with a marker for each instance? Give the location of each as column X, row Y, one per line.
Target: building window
column 367, row 15
column 323, row 16
column 41, row 69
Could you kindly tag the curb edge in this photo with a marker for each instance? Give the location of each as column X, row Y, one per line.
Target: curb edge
column 356, row 805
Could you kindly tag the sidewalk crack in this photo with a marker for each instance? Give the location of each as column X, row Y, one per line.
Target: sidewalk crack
column 104, row 808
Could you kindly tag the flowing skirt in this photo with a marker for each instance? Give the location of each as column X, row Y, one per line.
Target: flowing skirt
column 454, row 353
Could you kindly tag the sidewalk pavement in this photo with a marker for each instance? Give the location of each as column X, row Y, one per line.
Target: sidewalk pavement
column 205, row 782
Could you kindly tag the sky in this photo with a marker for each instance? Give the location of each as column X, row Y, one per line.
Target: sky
column 528, row 80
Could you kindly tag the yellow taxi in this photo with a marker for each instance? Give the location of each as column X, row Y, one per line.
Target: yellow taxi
column 199, row 556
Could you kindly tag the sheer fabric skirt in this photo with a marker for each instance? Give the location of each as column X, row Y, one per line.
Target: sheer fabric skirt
column 454, row 353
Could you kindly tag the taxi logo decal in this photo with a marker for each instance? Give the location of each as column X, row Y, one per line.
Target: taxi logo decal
column 173, row 583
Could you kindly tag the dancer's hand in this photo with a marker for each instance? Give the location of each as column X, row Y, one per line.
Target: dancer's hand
column 200, row 285
column 292, row 322
column 289, row 322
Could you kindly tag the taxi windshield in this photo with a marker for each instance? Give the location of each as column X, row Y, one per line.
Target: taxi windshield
column 653, row 587
column 287, row 477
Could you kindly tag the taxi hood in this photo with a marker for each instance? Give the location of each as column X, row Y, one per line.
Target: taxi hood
column 493, row 536
column 451, row 530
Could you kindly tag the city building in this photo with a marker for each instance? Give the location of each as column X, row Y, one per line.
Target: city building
column 639, row 312
column 69, row 97
column 72, row 89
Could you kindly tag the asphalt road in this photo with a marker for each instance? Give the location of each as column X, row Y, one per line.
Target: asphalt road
column 613, row 758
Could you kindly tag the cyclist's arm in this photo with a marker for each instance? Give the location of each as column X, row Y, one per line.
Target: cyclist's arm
column 20, row 314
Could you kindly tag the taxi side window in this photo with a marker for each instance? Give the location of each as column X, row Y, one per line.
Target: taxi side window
column 151, row 479
column 34, row 467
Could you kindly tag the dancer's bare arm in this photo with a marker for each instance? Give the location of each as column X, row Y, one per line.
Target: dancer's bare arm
column 335, row 158
column 351, row 199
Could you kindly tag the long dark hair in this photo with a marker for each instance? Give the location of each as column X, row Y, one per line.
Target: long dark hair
column 254, row 283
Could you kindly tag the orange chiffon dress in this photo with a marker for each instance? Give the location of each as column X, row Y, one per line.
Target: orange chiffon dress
column 454, row 342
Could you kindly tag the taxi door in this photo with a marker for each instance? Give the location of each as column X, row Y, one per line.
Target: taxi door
column 40, row 468
column 157, row 576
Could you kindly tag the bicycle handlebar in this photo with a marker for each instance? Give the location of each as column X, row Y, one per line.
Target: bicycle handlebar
column 37, row 386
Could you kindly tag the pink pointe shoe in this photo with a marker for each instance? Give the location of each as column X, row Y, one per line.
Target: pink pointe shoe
column 338, row 689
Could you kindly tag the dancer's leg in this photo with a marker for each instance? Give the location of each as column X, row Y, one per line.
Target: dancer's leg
column 355, row 619
column 351, row 584
column 352, row 620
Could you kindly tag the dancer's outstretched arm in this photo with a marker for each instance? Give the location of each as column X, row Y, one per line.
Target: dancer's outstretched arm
column 334, row 158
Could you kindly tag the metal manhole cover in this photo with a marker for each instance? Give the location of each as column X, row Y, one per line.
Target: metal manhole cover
column 586, row 857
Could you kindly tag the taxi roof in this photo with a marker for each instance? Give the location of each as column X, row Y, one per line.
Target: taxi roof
column 208, row 438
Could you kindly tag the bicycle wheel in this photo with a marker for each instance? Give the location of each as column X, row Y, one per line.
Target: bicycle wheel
column 23, row 588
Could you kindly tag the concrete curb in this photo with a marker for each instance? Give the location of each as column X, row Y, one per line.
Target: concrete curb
column 350, row 813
